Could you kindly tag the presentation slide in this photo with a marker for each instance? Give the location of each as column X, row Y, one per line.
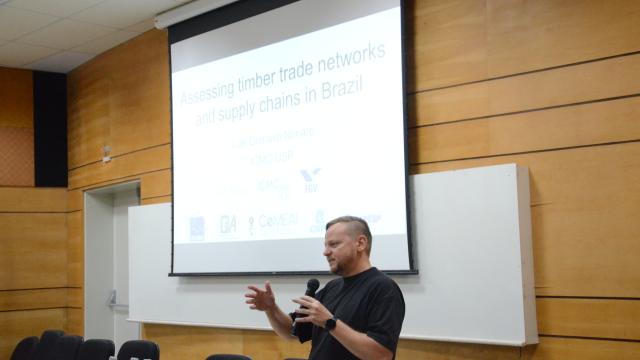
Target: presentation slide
column 273, row 141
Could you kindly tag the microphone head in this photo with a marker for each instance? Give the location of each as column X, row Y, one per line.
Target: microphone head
column 312, row 286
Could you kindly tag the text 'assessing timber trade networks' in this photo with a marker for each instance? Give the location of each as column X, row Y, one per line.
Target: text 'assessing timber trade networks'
column 248, row 95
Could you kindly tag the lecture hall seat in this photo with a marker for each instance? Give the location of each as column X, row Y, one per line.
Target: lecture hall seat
column 25, row 349
column 48, row 340
column 67, row 347
column 96, row 349
column 227, row 357
column 142, row 349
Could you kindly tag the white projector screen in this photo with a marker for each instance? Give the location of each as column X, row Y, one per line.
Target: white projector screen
column 282, row 122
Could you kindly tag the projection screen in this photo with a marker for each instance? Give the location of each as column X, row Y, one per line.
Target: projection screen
column 280, row 122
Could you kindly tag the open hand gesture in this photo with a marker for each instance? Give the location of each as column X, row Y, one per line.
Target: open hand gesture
column 259, row 299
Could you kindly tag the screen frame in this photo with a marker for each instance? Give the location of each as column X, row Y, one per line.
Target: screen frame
column 244, row 9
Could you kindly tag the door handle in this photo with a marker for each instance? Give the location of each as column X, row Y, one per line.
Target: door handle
column 113, row 304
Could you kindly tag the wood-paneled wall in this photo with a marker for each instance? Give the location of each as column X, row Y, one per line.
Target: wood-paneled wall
column 551, row 85
column 16, row 128
column 33, row 263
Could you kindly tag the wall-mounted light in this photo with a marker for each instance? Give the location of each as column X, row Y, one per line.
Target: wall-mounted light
column 106, row 150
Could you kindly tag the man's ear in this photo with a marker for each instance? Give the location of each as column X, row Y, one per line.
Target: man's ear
column 361, row 242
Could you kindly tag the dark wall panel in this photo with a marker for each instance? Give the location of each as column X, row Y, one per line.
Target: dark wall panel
column 50, row 128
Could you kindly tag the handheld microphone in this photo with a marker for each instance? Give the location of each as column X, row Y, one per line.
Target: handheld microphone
column 312, row 286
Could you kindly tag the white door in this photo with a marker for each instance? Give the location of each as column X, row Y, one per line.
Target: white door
column 106, row 280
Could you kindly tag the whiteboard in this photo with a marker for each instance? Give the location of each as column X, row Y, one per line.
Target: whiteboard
column 472, row 246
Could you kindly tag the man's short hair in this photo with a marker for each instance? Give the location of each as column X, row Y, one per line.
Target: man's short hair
column 356, row 226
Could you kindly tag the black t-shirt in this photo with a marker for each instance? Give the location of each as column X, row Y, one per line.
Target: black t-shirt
column 369, row 302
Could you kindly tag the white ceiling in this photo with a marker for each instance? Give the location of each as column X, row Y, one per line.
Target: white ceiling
column 58, row 35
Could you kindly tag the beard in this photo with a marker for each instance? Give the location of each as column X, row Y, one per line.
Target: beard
column 339, row 267
column 336, row 268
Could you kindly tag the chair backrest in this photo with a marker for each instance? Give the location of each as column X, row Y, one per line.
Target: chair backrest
column 227, row 357
column 67, row 347
column 141, row 349
column 25, row 348
column 48, row 340
column 96, row 349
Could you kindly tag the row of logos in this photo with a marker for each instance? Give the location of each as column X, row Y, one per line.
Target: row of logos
column 232, row 224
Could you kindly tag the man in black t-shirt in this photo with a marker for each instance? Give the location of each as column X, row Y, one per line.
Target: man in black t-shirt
column 358, row 315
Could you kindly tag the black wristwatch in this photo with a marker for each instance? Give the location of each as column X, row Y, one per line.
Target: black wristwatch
column 330, row 324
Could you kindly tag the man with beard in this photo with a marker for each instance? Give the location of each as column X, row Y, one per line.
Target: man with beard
column 356, row 316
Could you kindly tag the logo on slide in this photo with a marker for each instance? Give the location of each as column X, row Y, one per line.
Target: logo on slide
column 227, row 224
column 310, row 185
column 319, row 225
column 197, row 228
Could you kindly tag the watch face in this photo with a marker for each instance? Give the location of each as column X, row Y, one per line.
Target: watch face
column 330, row 324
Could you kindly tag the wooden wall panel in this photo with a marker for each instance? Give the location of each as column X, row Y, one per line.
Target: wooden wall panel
column 552, row 348
column 582, row 125
column 75, row 200
column 454, row 42
column 122, row 167
column 87, row 114
column 156, row 184
column 74, row 321
column 525, row 35
column 594, row 318
column 140, row 98
column 12, row 300
column 29, row 199
column 16, row 98
column 434, row 350
column 568, row 85
column 16, row 325
column 120, row 99
column 34, row 252
column 156, row 200
column 75, row 298
column 267, row 345
column 75, row 245
column 584, row 206
column 447, row 42
column 188, row 342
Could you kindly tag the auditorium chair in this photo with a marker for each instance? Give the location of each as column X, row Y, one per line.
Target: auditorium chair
column 227, row 357
column 25, row 349
column 141, row 349
column 48, row 340
column 67, row 347
column 96, row 349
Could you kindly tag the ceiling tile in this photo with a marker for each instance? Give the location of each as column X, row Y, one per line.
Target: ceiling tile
column 142, row 26
column 57, row 8
column 62, row 62
column 16, row 55
column 16, row 22
column 66, row 34
column 123, row 13
column 105, row 43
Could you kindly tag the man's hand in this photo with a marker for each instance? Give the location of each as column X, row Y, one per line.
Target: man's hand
column 313, row 310
column 263, row 300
